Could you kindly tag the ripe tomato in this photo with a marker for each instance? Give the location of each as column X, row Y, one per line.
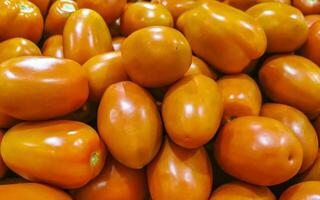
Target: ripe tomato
column 311, row 19
column 117, row 43
column 198, row 66
column 9, row 9
column 307, row 6
column 245, row 4
column 43, row 5
column 6, row 121
column 311, row 48
column 313, row 173
column 53, row 47
column 3, row 167
column 304, row 190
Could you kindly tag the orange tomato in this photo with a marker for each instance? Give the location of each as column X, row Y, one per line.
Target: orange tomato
column 311, row 48
column 178, row 173
column 8, row 10
column 102, row 71
column 191, row 111
column 58, row 15
column 241, row 96
column 53, row 47
column 311, row 19
column 129, row 123
column 16, row 47
column 117, row 43
column 198, row 66
column 85, row 35
column 225, row 43
column 38, row 88
column 68, row 153
column 245, row 4
column 6, row 121
column 43, row 5
column 313, row 173
column 287, row 79
column 304, row 190
column 251, row 148
column 307, row 6
column 281, row 38
column 3, row 167
column 116, row 182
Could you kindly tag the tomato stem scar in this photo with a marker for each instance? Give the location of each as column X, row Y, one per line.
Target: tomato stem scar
column 94, row 159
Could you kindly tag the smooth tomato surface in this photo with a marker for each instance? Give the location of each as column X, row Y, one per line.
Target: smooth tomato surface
column 313, row 173
column 307, row 6
column 53, row 47
column 117, row 43
column 198, row 66
column 311, row 48
column 304, row 190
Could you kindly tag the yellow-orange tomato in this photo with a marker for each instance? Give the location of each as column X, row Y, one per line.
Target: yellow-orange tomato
column 311, row 19
column 115, row 182
column 313, row 173
column 240, row 190
column 178, row 173
column 305, row 190
column 3, row 167
column 37, row 88
column 53, row 47
column 110, row 10
column 241, row 96
column 58, row 15
column 300, row 126
column 64, row 153
column 102, row 71
column 117, row 43
column 288, row 79
column 25, row 21
column 16, row 47
column 311, row 47
column 6, row 121
column 245, row 4
column 307, row 6
column 85, row 35
column 129, row 124
column 143, row 14
column 192, row 110
column 31, row 191
column 164, row 56
column 258, row 150
column 224, row 44
column 281, row 38
column 198, row 66
column 43, row 5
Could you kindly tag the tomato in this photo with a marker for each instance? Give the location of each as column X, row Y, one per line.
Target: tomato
column 8, row 10
column 313, row 173
column 164, row 56
column 16, row 47
column 281, row 38
column 304, row 190
column 68, row 153
column 53, row 47
column 240, row 190
column 311, row 48
column 43, row 5
column 251, row 148
column 192, row 110
column 85, row 35
column 102, row 71
column 117, row 43
column 311, row 19
column 31, row 191
column 307, row 6
column 7, row 121
column 224, row 44
column 129, row 124
column 178, row 173
column 241, row 96
column 3, row 167
column 110, row 10
column 58, row 15
column 38, row 88
column 245, row 4
column 198, row 66
column 116, row 181
column 288, row 79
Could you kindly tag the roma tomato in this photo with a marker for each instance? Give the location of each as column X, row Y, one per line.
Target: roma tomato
column 43, row 5
column 6, row 121
column 311, row 19
column 305, row 190
column 241, row 96
column 102, row 71
column 130, row 124
column 68, row 153
column 116, row 182
column 164, row 56
column 117, row 43
column 313, row 173
column 3, row 167
column 311, row 47
column 281, row 39
column 245, row 4
column 16, row 47
column 255, row 147
column 31, row 191
column 38, row 88
column 198, row 66
column 288, row 79
column 214, row 45
column 307, row 6
column 58, row 15
column 8, row 11
column 85, row 35
column 53, row 47
column 192, row 110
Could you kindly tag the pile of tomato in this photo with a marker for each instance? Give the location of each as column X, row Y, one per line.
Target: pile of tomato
column 160, row 99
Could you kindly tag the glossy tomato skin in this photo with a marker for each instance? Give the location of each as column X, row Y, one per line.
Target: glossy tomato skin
column 214, row 45
column 16, row 47
column 294, row 76
column 304, row 190
column 69, row 153
column 311, row 47
column 117, row 43
column 3, row 167
column 53, row 47
column 43, row 5
column 85, row 35
column 198, row 66
column 246, row 4
column 192, row 110
column 130, row 124
column 116, row 182
column 164, row 56
column 311, row 19
column 8, row 9
column 7, row 121
column 31, row 191
column 307, row 6
column 256, row 146
column 313, row 173
column 58, row 15
column 38, row 88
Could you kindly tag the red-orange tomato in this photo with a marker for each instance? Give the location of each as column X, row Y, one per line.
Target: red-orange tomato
column 307, row 6
column 85, row 35
column 313, row 173
column 117, row 43
column 38, row 88
column 43, row 5
column 31, row 191
column 311, row 49
column 311, row 19
column 53, row 47
column 16, row 47
column 58, row 14
column 130, row 124
column 6, row 121
column 3, row 167
column 68, row 153
column 115, row 182
column 178, row 173
column 305, row 190
column 198, row 66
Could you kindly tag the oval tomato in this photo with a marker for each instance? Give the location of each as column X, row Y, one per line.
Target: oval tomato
column 313, row 173
column 304, row 190
column 311, row 48
column 311, row 19
column 53, row 47
column 245, row 4
column 198, row 66
column 9, row 9
column 307, row 6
